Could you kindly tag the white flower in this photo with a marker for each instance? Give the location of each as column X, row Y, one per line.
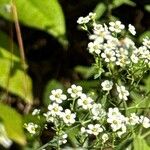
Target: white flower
column 122, row 57
column 123, row 93
column 57, row 96
column 85, row 102
column 94, row 129
column 83, row 130
column 83, row 20
column 55, row 109
column 127, row 43
column 94, row 47
column 68, row 117
column 75, row 91
column 31, row 127
column 113, row 112
column 105, row 137
column 92, row 15
column 116, row 123
column 97, row 111
column 4, row 140
column 115, row 118
column 146, row 42
column 107, row 85
column 116, row 26
column 100, row 33
column 63, row 139
column 36, row 112
column 123, row 130
column 145, row 121
column 131, row 29
column 133, row 119
column 108, row 55
column 49, row 117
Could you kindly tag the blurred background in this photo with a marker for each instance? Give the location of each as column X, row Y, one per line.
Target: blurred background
column 55, row 52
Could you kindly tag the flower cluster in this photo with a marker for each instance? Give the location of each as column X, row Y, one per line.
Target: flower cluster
column 104, row 118
column 109, row 43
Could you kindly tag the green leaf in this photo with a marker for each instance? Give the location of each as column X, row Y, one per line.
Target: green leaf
column 144, row 35
column 13, row 78
column 52, row 84
column 147, row 7
column 99, row 10
column 86, row 72
column 140, row 144
column 6, row 41
column 46, row 15
column 118, row 3
column 13, row 124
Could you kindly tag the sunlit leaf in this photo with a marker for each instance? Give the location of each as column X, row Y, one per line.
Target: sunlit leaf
column 99, row 10
column 118, row 3
column 140, row 144
column 144, row 35
column 86, row 72
column 13, row 123
column 46, row 15
column 13, row 78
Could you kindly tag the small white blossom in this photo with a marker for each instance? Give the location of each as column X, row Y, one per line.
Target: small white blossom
column 83, row 130
column 94, row 129
column 100, row 33
column 31, row 127
column 123, row 130
column 92, row 15
column 108, row 55
column 146, row 42
column 95, row 47
column 107, row 85
column 116, row 26
column 131, row 29
column 105, row 137
column 127, row 43
column 63, row 139
column 68, row 117
column 123, row 93
column 75, row 91
column 115, row 118
column 145, row 121
column 85, row 102
column 113, row 112
column 49, row 117
column 97, row 111
column 133, row 119
column 83, row 20
column 57, row 96
column 54, row 109
column 36, row 112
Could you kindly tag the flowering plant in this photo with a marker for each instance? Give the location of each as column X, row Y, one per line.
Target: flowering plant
column 107, row 119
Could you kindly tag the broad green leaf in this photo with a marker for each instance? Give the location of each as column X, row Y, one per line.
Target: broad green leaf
column 52, row 84
column 140, row 144
column 118, row 3
column 99, row 10
column 46, row 15
column 6, row 42
column 13, row 78
column 13, row 123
